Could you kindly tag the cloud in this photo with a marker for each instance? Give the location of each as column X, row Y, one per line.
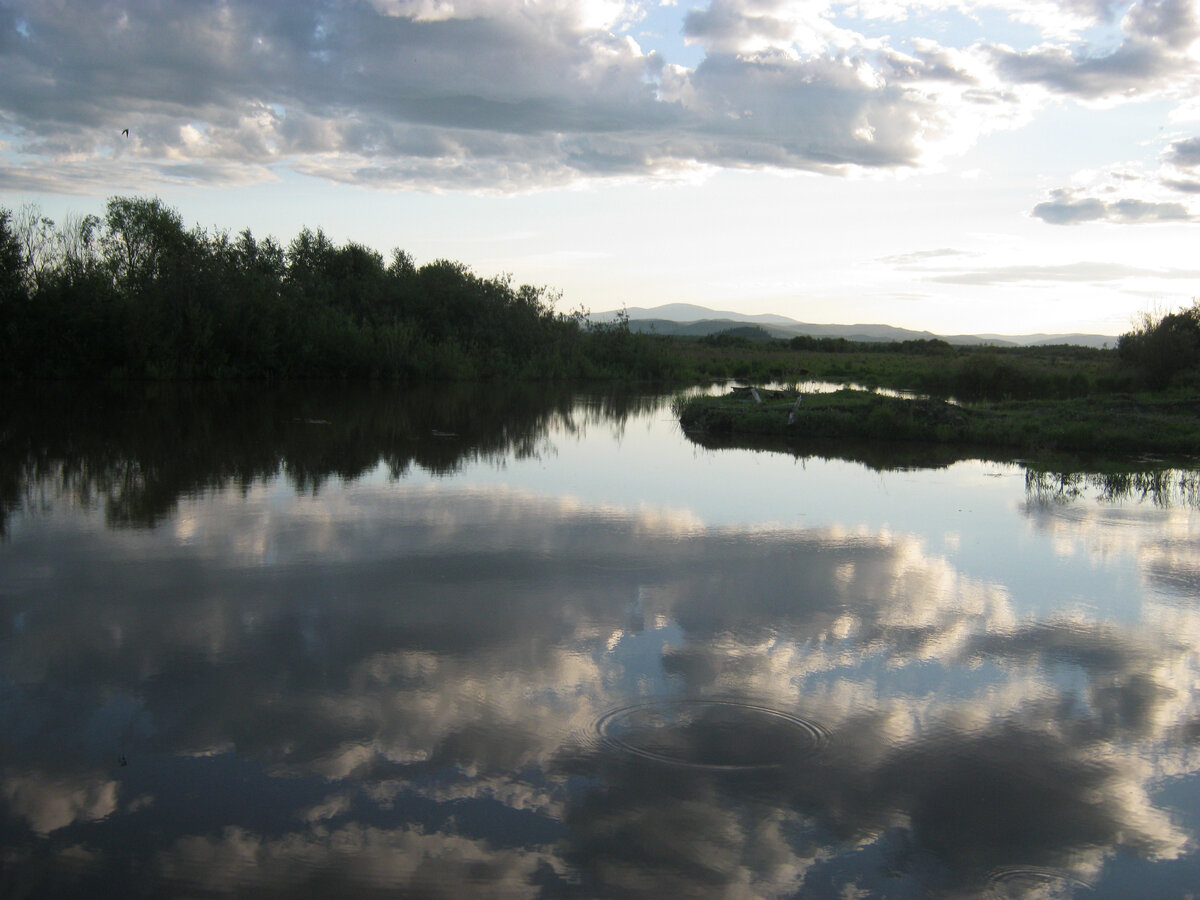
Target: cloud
column 1067, row 207
column 507, row 97
column 1054, row 19
column 731, row 26
column 1131, row 69
column 1172, row 22
column 1184, row 153
column 1161, row 195
column 49, row 802
column 750, row 108
column 1127, row 683
column 262, row 84
column 920, row 256
column 372, row 859
column 468, row 95
column 1152, row 57
column 753, row 26
column 1181, row 166
column 929, row 62
column 89, row 179
column 1086, row 272
column 1183, row 186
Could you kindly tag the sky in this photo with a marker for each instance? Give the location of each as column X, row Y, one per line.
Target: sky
column 957, row 166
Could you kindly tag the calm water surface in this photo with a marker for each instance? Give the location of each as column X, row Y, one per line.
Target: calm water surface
column 538, row 643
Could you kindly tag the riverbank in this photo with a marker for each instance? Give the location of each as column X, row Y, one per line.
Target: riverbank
column 1115, row 423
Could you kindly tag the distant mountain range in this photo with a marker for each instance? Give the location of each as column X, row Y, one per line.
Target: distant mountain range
column 698, row 321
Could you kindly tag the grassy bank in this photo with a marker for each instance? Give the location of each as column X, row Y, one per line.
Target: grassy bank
column 1118, row 423
column 927, row 367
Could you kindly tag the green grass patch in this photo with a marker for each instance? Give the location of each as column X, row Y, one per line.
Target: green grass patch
column 1114, row 423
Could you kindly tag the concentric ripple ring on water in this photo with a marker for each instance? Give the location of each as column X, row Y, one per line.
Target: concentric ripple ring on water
column 725, row 735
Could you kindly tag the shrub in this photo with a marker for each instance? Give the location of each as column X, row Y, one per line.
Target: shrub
column 1161, row 348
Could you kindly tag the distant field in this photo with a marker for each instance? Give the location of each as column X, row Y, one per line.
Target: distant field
column 932, row 367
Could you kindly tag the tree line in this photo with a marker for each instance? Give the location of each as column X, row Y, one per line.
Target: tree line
column 135, row 294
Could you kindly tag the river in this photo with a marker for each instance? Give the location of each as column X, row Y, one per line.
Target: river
column 539, row 642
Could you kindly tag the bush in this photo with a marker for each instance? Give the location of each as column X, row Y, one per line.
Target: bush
column 1160, row 349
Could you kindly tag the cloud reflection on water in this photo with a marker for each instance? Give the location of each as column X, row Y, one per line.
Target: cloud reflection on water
column 440, row 656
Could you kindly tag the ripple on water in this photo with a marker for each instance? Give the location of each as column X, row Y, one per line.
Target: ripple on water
column 725, row 735
column 1035, row 884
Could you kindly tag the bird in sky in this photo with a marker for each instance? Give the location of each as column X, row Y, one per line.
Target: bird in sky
column 125, row 132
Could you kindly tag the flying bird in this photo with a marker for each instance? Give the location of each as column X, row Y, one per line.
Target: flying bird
column 125, row 132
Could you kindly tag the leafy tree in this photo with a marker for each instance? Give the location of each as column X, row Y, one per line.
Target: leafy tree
column 402, row 265
column 1163, row 347
column 12, row 293
column 12, row 266
column 78, row 253
column 141, row 233
column 36, row 235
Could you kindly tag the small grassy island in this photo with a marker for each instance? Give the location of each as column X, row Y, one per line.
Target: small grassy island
column 1111, row 423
